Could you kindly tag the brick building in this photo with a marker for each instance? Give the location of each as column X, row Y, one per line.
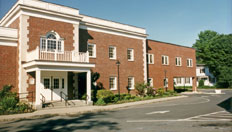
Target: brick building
column 170, row 64
column 51, row 50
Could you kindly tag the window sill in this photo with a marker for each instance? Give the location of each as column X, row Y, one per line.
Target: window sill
column 130, row 60
column 92, row 57
column 113, row 89
column 112, row 58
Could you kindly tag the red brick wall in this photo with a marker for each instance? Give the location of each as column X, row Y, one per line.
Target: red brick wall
column 8, row 67
column 9, row 62
column 31, row 87
column 40, row 26
column 107, row 67
column 156, row 70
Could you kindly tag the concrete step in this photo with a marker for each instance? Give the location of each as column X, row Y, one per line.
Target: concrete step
column 59, row 104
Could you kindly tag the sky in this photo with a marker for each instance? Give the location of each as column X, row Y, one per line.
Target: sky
column 172, row 21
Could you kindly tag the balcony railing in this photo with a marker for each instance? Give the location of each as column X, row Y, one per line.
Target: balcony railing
column 70, row 56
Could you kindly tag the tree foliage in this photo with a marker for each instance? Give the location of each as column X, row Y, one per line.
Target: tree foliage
column 215, row 50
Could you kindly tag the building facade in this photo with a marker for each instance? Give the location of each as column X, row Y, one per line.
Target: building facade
column 170, row 65
column 50, row 51
column 203, row 73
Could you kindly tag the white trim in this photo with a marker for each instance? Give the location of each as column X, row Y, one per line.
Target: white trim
column 165, row 58
column 110, row 31
column 62, row 64
column 132, row 54
column 150, row 56
column 115, row 81
column 188, row 61
column 178, row 59
column 113, row 25
column 94, row 50
column 13, row 44
column 133, row 82
column 49, row 82
column 114, row 52
column 145, row 60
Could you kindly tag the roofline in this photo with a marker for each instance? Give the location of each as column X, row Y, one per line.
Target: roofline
column 171, row 44
column 113, row 21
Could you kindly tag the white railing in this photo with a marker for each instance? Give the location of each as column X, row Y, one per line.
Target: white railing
column 71, row 56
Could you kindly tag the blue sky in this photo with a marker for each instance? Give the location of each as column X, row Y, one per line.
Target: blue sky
column 173, row 21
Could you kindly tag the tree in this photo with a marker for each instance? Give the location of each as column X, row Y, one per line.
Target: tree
column 215, row 50
column 202, row 44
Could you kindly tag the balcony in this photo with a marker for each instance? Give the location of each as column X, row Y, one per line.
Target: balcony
column 62, row 56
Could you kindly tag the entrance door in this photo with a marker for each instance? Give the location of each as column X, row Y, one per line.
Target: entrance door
column 53, row 84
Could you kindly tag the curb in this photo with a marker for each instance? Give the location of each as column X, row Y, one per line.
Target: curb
column 82, row 110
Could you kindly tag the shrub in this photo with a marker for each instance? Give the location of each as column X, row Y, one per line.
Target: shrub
column 9, row 102
column 106, row 95
column 169, row 92
column 150, row 91
column 140, row 88
column 201, row 83
column 100, row 102
column 160, row 91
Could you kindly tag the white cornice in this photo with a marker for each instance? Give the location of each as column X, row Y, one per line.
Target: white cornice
column 111, row 31
column 60, row 14
column 57, row 64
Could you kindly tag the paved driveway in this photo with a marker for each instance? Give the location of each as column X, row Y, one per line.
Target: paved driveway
column 196, row 113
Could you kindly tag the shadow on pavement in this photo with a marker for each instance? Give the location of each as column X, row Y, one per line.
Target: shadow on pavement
column 67, row 123
column 226, row 104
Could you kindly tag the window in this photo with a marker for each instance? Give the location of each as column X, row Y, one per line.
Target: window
column 178, row 80
column 130, row 54
column 150, row 58
column 202, row 70
column 46, row 83
column 165, row 82
column 189, row 63
column 62, row 83
column 51, row 42
column 187, row 80
column 56, row 83
column 112, row 83
column 178, row 61
column 131, row 82
column 165, row 60
column 112, row 52
column 150, row 81
column 92, row 50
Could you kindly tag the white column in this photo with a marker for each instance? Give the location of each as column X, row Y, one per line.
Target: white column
column 88, row 77
column 37, row 88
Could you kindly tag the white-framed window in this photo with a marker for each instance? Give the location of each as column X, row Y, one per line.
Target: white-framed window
column 187, row 80
column 189, row 62
column 92, row 50
column 62, row 83
column 113, row 83
column 130, row 54
column 202, row 70
column 52, row 42
column 165, row 82
column 178, row 80
column 150, row 82
column 150, row 58
column 56, row 83
column 112, row 52
column 178, row 61
column 131, row 82
column 46, row 82
column 165, row 60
